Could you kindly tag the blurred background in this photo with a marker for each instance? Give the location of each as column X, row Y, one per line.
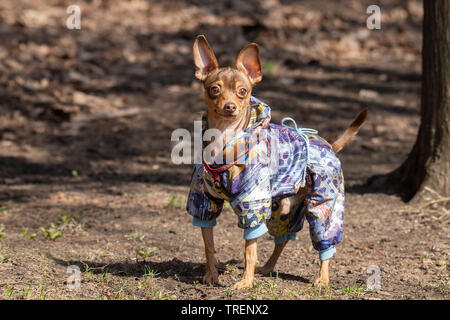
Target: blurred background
column 322, row 65
column 86, row 118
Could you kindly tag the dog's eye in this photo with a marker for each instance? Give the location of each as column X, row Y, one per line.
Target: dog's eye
column 242, row 92
column 214, row 90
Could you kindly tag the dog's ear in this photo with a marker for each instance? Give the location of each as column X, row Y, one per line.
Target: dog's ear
column 204, row 59
column 249, row 63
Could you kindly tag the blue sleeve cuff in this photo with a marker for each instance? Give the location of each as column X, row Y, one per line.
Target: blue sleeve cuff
column 327, row 253
column 203, row 223
column 255, row 232
column 285, row 237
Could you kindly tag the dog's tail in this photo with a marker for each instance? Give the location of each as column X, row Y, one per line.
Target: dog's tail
column 351, row 131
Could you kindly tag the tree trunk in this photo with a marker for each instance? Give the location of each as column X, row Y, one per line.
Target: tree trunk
column 428, row 164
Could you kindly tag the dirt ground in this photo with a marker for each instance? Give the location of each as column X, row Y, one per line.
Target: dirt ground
column 103, row 185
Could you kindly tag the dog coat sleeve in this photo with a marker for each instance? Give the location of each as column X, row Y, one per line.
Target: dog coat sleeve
column 200, row 205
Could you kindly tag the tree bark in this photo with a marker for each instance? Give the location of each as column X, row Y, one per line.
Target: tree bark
column 428, row 164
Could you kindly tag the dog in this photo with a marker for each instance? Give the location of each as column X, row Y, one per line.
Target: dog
column 307, row 185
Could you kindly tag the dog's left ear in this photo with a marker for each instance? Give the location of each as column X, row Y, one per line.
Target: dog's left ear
column 249, row 63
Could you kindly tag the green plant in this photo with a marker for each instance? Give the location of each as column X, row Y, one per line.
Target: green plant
column 158, row 293
column 273, row 285
column 27, row 291
column 65, row 219
column 175, row 202
column 319, row 291
column 443, row 284
column 52, row 233
column 149, row 273
column 102, row 253
column 42, row 292
column 136, row 235
column 146, row 253
column 119, row 295
column 7, row 293
column 269, row 67
column 2, row 233
column 24, row 232
column 355, row 290
column 104, row 275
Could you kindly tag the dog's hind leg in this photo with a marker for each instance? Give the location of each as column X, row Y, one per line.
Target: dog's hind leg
column 270, row 264
column 212, row 275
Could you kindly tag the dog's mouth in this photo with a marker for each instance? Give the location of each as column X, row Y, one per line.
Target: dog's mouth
column 227, row 114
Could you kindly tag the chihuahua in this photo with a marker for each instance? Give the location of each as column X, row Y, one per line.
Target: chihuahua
column 232, row 110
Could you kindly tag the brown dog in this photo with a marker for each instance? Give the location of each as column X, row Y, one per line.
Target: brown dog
column 227, row 97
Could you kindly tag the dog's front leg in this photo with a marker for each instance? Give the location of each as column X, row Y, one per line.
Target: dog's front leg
column 211, row 276
column 324, row 277
column 251, row 259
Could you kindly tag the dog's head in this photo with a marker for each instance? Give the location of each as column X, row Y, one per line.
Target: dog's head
column 227, row 90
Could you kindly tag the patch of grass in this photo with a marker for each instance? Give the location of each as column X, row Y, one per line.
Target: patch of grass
column 65, row 219
column 42, row 292
column 103, row 254
column 149, row 273
column 176, row 202
column 269, row 67
column 148, row 281
column 138, row 235
column 229, row 291
column 24, row 233
column 52, row 233
column 3, row 209
column 157, row 293
column 120, row 294
column 2, row 258
column 27, row 291
column 104, row 275
column 273, row 285
column 2, row 231
column 8, row 292
column 355, row 290
column 229, row 268
column 319, row 292
column 257, row 286
column 443, row 284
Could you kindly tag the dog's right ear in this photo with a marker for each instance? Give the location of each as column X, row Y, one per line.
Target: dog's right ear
column 204, row 59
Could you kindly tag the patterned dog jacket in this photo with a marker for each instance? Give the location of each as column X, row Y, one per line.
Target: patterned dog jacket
column 276, row 162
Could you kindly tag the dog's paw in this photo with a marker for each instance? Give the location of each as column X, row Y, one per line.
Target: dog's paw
column 265, row 270
column 243, row 284
column 321, row 283
column 211, row 277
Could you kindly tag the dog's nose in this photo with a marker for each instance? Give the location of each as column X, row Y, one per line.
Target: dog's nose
column 230, row 107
